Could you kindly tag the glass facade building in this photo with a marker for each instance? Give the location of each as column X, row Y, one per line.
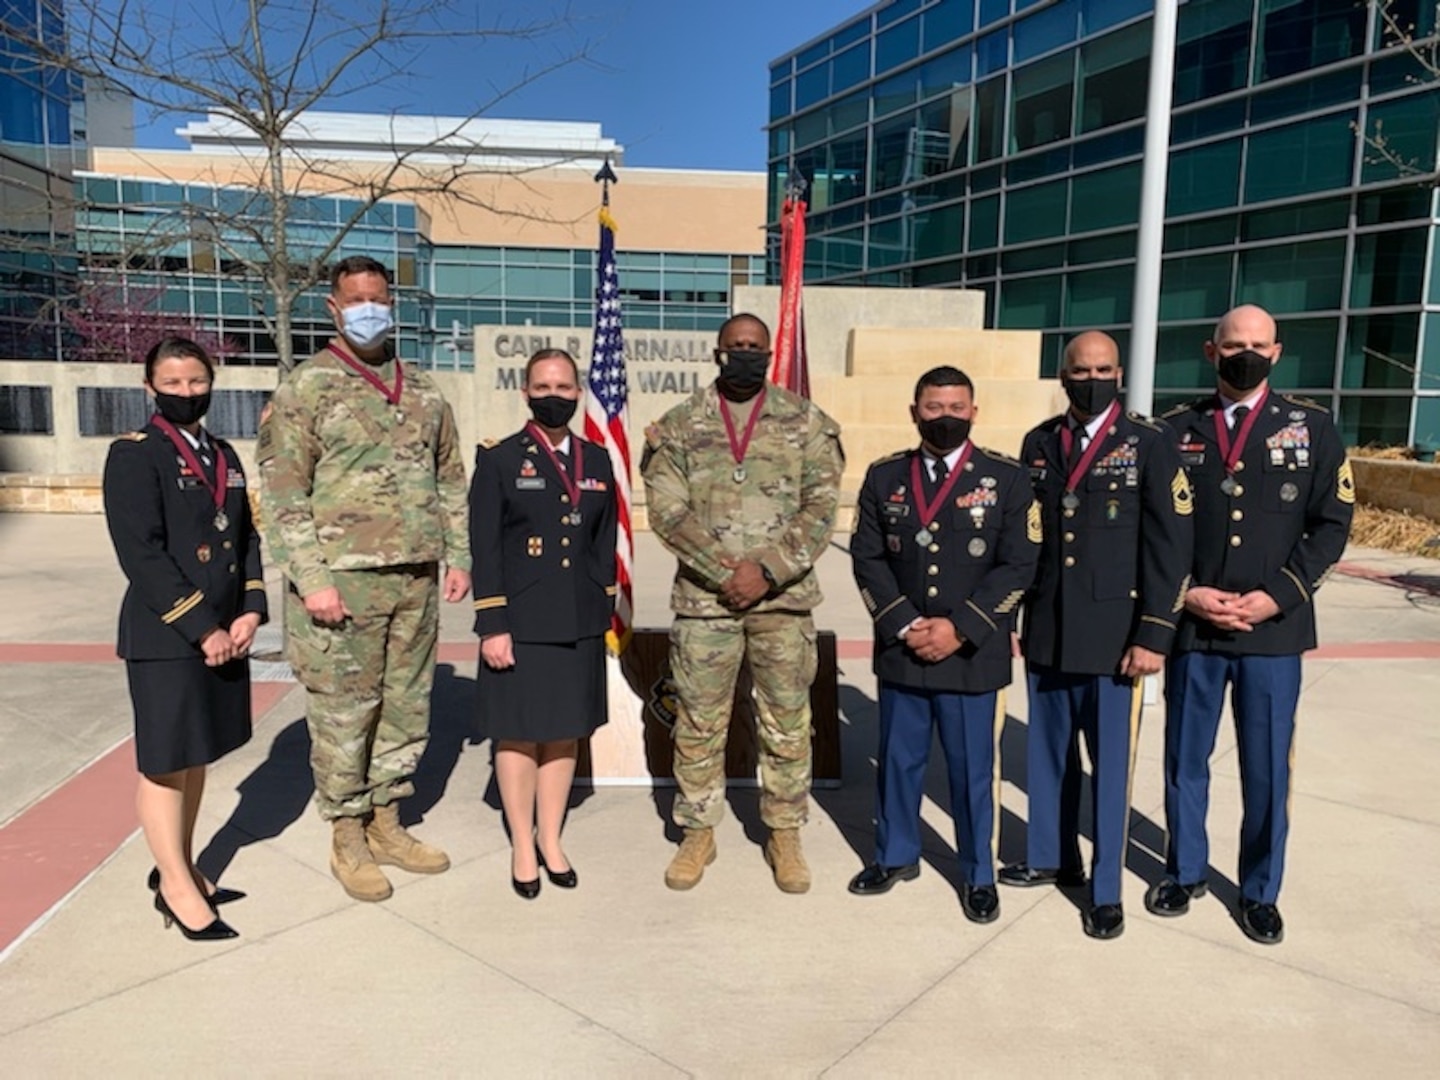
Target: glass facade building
column 144, row 233
column 996, row 144
column 41, row 141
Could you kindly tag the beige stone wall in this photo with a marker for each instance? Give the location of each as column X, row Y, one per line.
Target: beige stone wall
column 1398, row 485
column 862, row 374
column 656, row 209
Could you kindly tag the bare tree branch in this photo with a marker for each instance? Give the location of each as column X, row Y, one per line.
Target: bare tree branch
column 263, row 65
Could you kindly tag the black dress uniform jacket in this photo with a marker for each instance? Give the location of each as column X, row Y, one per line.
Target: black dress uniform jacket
column 1113, row 571
column 186, row 576
column 974, row 570
column 1282, row 530
column 538, row 577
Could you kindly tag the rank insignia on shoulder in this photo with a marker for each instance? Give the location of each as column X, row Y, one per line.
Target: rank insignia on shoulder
column 132, row 436
column 1033, row 530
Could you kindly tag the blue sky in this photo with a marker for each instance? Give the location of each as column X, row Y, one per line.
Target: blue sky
column 679, row 83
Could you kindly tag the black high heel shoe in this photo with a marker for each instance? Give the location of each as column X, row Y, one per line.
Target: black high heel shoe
column 564, row 879
column 216, row 931
column 527, row 890
column 219, row 896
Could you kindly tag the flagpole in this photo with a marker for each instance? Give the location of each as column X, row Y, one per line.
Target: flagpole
column 607, row 414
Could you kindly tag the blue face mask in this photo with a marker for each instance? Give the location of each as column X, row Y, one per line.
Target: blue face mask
column 367, row 325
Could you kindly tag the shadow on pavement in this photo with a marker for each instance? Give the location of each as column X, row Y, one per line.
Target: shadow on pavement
column 272, row 797
column 276, row 793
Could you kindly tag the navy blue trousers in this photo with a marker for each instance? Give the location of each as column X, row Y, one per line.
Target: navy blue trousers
column 1265, row 691
column 1106, row 709
column 969, row 728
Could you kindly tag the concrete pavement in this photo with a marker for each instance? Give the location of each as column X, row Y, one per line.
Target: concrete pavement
column 455, row 975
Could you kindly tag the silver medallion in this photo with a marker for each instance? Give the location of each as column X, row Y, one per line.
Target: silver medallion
column 976, row 547
column 222, row 520
column 575, row 517
column 1228, row 485
column 1070, row 501
column 924, row 537
column 1289, row 492
column 739, row 474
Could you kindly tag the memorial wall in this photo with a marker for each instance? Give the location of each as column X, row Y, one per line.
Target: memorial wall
column 866, row 348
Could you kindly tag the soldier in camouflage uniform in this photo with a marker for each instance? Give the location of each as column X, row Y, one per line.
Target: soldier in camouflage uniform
column 742, row 481
column 363, row 497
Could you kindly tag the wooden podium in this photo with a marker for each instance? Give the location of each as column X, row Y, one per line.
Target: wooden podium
column 646, row 669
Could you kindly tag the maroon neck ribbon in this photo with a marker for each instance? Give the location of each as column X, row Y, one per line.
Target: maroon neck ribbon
column 577, row 458
column 1229, row 452
column 187, row 454
column 1067, row 441
column 363, row 370
column 739, row 446
column 926, row 510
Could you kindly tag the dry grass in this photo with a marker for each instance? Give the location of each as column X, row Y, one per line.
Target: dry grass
column 1386, row 453
column 1395, row 530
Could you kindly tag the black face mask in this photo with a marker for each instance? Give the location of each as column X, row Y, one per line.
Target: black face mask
column 743, row 372
column 944, row 433
column 1091, row 396
column 1244, row 370
column 552, row 411
column 182, row 410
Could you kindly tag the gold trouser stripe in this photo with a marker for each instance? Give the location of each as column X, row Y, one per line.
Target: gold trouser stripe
column 182, row 608
column 1290, row 771
column 999, row 728
column 1137, row 702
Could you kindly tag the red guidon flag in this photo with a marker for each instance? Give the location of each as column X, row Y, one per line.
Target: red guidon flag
column 790, row 367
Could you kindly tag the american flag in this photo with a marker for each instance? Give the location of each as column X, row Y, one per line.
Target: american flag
column 607, row 415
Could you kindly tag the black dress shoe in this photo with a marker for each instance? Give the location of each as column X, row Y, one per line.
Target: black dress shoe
column 1024, row 876
column 1168, row 898
column 1105, row 921
column 528, row 890
column 981, row 903
column 1262, row 922
column 876, row 879
column 215, row 930
column 215, row 899
column 561, row 879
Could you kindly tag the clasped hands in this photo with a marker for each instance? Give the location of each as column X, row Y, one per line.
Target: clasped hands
column 1240, row 612
column 221, row 645
column 746, row 586
column 933, row 639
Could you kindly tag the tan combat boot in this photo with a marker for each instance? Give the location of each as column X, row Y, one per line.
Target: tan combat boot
column 697, row 851
column 393, row 846
column 353, row 865
column 782, row 852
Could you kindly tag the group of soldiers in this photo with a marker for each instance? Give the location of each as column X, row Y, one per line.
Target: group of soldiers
column 1193, row 543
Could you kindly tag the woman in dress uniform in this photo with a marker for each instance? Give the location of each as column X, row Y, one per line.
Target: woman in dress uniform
column 542, row 534
column 176, row 506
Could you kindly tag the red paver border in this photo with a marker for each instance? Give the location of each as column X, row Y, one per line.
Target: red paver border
column 53, row 845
